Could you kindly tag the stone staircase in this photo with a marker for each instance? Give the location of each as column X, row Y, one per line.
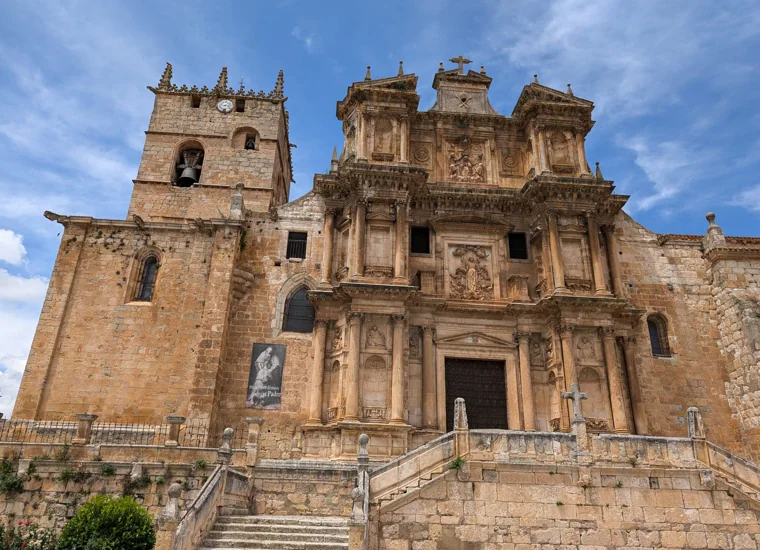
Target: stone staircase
column 424, row 480
column 278, row 532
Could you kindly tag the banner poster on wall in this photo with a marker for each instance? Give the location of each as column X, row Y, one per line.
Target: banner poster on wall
column 265, row 379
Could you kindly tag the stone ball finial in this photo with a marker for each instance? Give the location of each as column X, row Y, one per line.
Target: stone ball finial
column 175, row 490
column 363, row 440
column 228, row 433
column 535, row 79
column 440, row 67
column 710, row 216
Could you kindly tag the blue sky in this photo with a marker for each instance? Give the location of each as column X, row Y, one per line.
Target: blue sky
column 673, row 82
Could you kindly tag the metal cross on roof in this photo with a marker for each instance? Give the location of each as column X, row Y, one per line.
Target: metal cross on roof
column 461, row 61
column 576, row 395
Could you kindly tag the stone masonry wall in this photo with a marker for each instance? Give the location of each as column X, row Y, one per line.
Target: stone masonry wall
column 514, row 507
column 674, row 280
column 736, row 292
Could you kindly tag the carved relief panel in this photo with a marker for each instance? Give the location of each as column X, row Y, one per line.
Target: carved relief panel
column 383, row 139
column 561, row 154
column 375, row 389
column 470, row 272
column 466, row 161
column 575, row 253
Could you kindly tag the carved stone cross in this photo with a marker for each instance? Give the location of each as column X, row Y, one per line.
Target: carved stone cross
column 576, row 395
column 461, row 61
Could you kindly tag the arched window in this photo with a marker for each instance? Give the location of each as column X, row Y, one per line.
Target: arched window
column 187, row 171
column 146, row 283
column 658, row 335
column 299, row 313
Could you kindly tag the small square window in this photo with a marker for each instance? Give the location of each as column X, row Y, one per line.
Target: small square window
column 296, row 245
column 420, row 240
column 518, row 246
column 195, row 101
column 240, row 105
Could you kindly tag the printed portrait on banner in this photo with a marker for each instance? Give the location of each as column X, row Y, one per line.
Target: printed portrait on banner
column 265, row 379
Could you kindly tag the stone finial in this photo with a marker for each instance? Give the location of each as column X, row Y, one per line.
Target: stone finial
column 482, row 69
column 714, row 235
column 577, row 396
column 363, row 441
column 368, row 76
column 171, row 510
column 227, row 438
column 279, row 86
column 166, row 78
column 569, row 90
column 535, row 79
column 400, row 68
column 694, row 423
column 334, row 160
column 710, row 216
column 224, row 453
column 221, row 83
column 460, row 415
column 440, row 67
column 599, row 175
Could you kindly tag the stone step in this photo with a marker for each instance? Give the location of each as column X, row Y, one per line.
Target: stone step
column 218, row 536
column 285, row 520
column 279, row 527
column 281, row 544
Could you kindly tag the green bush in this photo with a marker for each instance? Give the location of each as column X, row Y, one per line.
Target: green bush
column 10, row 483
column 109, row 523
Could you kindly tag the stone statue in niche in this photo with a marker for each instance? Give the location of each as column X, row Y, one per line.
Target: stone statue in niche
column 549, row 349
column 414, row 343
column 585, row 350
column 536, row 357
column 466, row 161
column 471, row 281
column 350, row 145
column 560, row 152
column 337, row 340
column 383, row 136
column 375, row 338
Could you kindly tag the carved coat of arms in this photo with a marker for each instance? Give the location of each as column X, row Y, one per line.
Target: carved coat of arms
column 471, row 280
column 466, row 162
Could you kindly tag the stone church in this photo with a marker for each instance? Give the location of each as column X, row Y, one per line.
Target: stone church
column 454, row 252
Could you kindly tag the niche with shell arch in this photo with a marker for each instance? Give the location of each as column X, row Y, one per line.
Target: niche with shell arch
column 591, row 384
column 187, row 168
column 246, row 138
column 375, row 389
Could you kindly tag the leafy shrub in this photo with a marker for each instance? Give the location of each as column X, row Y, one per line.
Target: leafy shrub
column 10, row 483
column 28, row 536
column 108, row 470
column 109, row 523
column 131, row 485
column 457, row 463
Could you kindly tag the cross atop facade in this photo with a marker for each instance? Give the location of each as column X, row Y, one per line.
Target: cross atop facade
column 461, row 61
column 576, row 395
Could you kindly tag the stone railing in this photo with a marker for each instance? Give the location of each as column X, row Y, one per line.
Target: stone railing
column 522, row 447
column 201, row 514
column 736, row 469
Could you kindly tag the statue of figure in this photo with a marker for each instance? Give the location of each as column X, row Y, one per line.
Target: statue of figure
column 466, row 166
column 586, row 349
column 453, row 169
column 535, row 353
column 472, row 277
column 337, row 341
column 479, row 170
column 375, row 338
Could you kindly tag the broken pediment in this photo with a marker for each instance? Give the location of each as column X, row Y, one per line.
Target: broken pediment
column 472, row 222
column 474, row 338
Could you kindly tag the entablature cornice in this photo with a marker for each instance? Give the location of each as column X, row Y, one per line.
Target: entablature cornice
column 477, row 223
column 137, row 223
column 741, row 253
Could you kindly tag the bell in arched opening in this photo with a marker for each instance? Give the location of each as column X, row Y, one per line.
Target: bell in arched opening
column 189, row 168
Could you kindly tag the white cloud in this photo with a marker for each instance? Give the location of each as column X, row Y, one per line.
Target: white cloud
column 12, row 248
column 19, row 321
column 307, row 38
column 749, row 199
column 14, row 288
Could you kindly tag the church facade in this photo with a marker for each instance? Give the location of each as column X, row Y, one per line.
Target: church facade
column 453, row 252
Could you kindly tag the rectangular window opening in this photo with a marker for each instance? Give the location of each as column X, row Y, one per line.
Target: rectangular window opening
column 518, row 246
column 195, row 101
column 419, row 243
column 240, row 105
column 296, row 245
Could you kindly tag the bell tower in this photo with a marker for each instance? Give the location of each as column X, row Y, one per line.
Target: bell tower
column 204, row 147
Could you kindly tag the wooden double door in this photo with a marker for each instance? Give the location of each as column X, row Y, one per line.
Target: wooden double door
column 482, row 385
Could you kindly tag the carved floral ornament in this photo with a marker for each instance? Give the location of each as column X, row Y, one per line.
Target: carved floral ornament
column 471, row 280
column 422, row 154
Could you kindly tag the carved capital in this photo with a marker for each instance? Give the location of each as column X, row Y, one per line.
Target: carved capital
column 629, row 340
column 321, row 323
column 400, row 204
column 428, row 329
column 591, row 214
column 565, row 330
column 397, row 318
column 362, row 202
column 331, row 211
column 354, row 317
column 522, row 336
column 609, row 229
column 606, row 332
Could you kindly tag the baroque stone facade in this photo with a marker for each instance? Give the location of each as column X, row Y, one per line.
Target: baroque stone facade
column 439, row 241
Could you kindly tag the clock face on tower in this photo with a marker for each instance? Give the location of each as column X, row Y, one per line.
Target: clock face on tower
column 224, row 106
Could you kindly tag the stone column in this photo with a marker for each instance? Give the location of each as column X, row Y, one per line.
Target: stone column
column 546, row 260
column 175, row 423
column 617, row 398
column 579, row 140
column 317, row 371
column 558, row 269
column 526, row 382
column 404, row 131
column 84, row 428
column 570, row 375
column 361, row 220
column 534, row 147
column 513, row 395
column 327, row 254
column 637, row 405
column 429, row 405
column 352, row 374
column 612, row 257
column 397, row 376
column 399, row 264
column 362, row 137
column 542, row 151
column 600, row 286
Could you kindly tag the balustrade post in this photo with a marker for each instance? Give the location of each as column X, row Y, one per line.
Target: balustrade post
column 252, row 444
column 175, row 423
column 224, row 453
column 84, row 428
